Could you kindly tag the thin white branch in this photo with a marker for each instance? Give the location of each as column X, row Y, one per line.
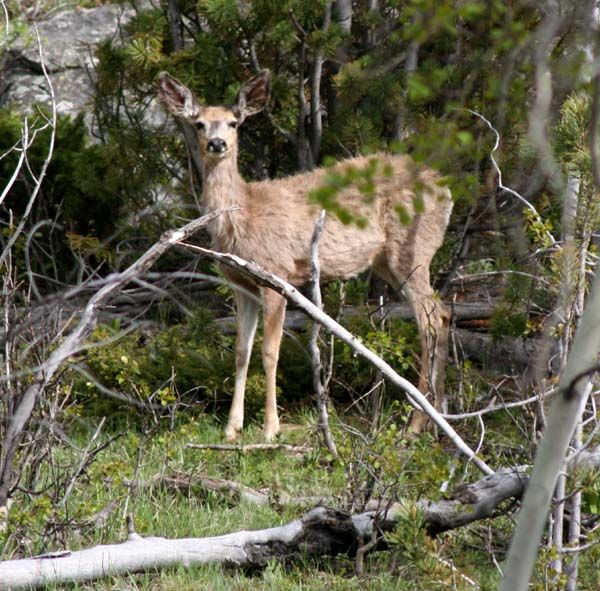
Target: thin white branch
column 6, row 23
column 15, row 174
column 39, row 180
column 317, row 366
column 485, row 411
column 499, row 173
column 581, row 449
column 577, row 549
column 482, row 436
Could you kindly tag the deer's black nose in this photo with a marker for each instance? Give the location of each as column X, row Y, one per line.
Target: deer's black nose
column 217, row 145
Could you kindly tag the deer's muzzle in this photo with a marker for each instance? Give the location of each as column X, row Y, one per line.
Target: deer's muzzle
column 216, row 145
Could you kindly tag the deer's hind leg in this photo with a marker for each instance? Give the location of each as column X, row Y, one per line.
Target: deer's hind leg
column 433, row 320
column 247, row 307
column 274, row 316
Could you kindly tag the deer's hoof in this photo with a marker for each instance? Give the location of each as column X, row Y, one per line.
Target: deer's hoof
column 231, row 433
column 270, row 431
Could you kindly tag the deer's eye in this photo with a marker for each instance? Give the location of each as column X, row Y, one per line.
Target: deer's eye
column 200, row 126
column 233, row 124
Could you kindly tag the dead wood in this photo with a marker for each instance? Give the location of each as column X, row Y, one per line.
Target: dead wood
column 292, row 449
column 72, row 343
column 183, row 482
column 506, row 354
column 321, row 531
column 231, row 489
column 297, row 320
column 472, row 502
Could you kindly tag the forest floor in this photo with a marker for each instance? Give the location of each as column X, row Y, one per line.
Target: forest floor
column 96, row 508
column 98, row 472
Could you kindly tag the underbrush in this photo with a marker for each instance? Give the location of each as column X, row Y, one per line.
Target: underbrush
column 125, row 471
column 125, row 479
column 105, row 461
column 191, row 364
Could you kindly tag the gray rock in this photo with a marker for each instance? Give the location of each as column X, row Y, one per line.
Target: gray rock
column 72, row 89
column 68, row 37
column 67, row 41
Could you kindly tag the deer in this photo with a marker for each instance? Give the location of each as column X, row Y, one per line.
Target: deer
column 271, row 222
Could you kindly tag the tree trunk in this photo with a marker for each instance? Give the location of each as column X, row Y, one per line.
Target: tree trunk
column 564, row 414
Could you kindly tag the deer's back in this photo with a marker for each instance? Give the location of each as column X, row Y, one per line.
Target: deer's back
column 276, row 224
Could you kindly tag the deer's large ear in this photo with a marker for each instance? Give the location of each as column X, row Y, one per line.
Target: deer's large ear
column 177, row 97
column 253, row 96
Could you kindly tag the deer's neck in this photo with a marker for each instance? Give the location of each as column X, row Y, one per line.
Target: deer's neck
column 223, row 189
column 223, row 186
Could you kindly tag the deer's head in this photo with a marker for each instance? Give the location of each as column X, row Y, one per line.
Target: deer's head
column 216, row 126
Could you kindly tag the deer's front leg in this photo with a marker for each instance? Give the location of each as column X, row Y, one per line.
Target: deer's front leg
column 247, row 306
column 274, row 315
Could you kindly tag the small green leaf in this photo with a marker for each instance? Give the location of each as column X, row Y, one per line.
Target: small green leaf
column 403, row 215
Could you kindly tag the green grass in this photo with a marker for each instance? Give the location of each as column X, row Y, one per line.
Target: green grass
column 158, row 511
column 410, row 563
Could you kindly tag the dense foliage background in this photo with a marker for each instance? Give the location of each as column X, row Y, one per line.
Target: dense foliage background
column 451, row 84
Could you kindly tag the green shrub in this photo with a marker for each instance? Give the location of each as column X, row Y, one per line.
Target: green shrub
column 509, row 323
column 191, row 362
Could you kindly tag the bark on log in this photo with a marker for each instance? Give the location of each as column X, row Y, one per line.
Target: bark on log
column 472, row 502
column 322, row 531
column 507, row 354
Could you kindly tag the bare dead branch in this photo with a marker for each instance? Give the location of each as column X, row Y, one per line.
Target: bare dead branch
column 39, row 179
column 182, row 482
column 317, row 366
column 17, row 170
column 498, row 170
column 293, row 449
column 316, row 117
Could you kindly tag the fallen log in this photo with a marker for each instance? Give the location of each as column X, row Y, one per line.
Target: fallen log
column 472, row 502
column 292, row 449
column 507, row 354
column 321, row 531
column 235, row 491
